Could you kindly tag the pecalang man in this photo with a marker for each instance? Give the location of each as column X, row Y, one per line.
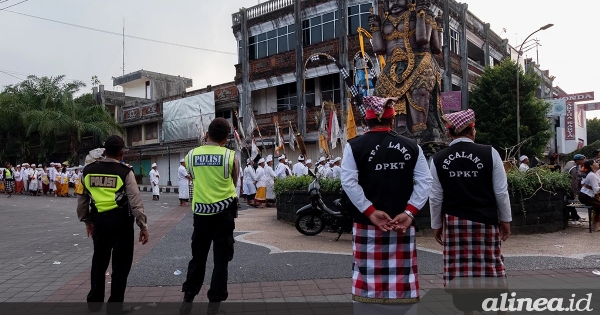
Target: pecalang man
column 386, row 178
column 469, row 197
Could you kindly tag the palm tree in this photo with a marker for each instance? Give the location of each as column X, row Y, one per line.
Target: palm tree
column 73, row 118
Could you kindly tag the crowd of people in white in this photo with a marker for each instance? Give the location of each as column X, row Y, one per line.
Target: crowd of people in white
column 256, row 184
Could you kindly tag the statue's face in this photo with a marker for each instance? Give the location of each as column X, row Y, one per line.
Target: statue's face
column 397, row 6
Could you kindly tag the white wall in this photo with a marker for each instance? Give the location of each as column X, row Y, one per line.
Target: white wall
column 162, row 162
column 568, row 146
column 138, row 90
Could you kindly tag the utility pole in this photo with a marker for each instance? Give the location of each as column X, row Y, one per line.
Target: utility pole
column 343, row 36
column 447, row 58
column 246, row 99
column 301, row 108
column 464, row 53
column 123, row 46
column 486, row 51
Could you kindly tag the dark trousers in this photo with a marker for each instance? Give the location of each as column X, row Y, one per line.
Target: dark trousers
column 590, row 201
column 218, row 230
column 113, row 234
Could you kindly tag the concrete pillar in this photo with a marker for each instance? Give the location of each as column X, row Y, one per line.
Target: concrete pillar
column 464, row 53
column 245, row 98
column 343, row 58
column 300, row 106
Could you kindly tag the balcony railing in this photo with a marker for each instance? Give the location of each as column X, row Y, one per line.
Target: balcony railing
column 262, row 9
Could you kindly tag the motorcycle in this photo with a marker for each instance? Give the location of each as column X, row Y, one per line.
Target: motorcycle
column 314, row 217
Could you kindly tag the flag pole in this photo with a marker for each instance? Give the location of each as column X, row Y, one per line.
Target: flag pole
column 259, row 134
column 243, row 137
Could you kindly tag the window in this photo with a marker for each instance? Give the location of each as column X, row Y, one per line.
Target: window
column 225, row 114
column 454, row 41
column 148, row 94
column 358, row 16
column 134, row 134
column 151, row 131
column 320, row 28
column 272, row 42
column 286, row 97
column 330, row 88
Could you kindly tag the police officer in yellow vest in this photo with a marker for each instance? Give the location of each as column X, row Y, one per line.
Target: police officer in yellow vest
column 214, row 170
column 109, row 204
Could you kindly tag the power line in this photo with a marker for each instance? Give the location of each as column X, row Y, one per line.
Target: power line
column 13, row 5
column 121, row 35
column 14, row 76
column 4, row 1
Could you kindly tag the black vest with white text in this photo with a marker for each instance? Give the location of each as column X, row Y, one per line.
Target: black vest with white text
column 465, row 171
column 386, row 179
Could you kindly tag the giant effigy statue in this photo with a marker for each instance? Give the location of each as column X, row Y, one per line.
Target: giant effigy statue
column 408, row 35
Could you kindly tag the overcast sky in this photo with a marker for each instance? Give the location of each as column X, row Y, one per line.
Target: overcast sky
column 33, row 46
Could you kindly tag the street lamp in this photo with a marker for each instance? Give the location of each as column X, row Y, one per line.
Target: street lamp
column 545, row 27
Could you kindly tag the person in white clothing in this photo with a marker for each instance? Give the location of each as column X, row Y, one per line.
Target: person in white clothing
column 590, row 187
column 320, row 163
column 51, row 177
column 326, row 171
column 260, row 198
column 25, row 177
column 249, row 182
column 337, row 170
column 238, row 186
column 270, row 181
column 184, row 183
column 281, row 171
column 308, row 166
column 154, row 182
column 300, row 168
column 524, row 167
column 33, row 175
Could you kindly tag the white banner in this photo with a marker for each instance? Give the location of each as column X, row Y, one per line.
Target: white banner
column 181, row 118
column 558, row 108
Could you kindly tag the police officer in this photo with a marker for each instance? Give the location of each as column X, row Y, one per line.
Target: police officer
column 214, row 170
column 108, row 206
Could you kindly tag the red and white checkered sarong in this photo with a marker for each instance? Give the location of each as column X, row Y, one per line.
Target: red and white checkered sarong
column 385, row 266
column 472, row 256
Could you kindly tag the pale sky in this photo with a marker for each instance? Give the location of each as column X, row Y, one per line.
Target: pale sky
column 33, row 46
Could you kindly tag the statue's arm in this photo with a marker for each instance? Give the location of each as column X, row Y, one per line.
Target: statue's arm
column 422, row 32
column 436, row 47
column 378, row 42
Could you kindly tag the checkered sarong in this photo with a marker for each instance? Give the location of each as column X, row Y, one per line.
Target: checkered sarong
column 9, row 186
column 385, row 266
column 472, row 257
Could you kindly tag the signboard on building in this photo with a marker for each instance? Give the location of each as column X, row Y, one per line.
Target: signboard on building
column 571, row 99
column 558, row 108
column 451, row 101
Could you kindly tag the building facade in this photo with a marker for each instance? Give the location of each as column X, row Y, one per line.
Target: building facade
column 268, row 70
column 140, row 110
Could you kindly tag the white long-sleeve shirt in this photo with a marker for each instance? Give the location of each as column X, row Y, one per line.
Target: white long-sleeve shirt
column 592, row 180
column 261, row 180
column 500, row 185
column 270, row 175
column 249, row 175
column 337, row 171
column 356, row 194
column 154, row 176
column 280, row 170
column 300, row 169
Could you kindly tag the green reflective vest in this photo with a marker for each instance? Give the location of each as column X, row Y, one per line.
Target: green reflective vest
column 105, row 183
column 211, row 167
column 8, row 174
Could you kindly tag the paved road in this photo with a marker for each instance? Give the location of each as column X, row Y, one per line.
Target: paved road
column 36, row 232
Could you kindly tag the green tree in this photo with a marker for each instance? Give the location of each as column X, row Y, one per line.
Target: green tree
column 593, row 130
column 45, row 107
column 494, row 101
column 71, row 118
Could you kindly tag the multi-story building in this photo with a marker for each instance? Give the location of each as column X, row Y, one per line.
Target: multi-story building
column 268, row 67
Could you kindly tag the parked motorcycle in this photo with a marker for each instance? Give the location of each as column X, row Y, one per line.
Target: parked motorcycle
column 314, row 217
